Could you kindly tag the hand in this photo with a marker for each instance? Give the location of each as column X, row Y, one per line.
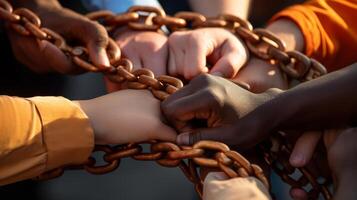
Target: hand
column 217, row 101
column 189, row 51
column 217, row 186
column 261, row 75
column 340, row 148
column 127, row 116
column 145, row 49
column 43, row 57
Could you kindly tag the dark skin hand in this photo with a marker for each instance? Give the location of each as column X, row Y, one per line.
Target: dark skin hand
column 327, row 102
column 72, row 26
column 215, row 100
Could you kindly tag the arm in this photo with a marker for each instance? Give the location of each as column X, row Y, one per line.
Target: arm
column 212, row 8
column 217, row 186
column 326, row 102
column 72, row 26
column 35, row 136
column 43, row 133
column 318, row 29
column 328, row 29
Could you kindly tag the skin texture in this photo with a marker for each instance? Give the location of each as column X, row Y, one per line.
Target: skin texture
column 115, row 118
column 32, row 52
column 212, row 8
column 192, row 51
column 146, row 49
column 217, row 101
column 319, row 104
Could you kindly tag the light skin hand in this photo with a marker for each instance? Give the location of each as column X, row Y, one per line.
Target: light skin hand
column 33, row 52
column 145, row 49
column 127, row 116
column 191, row 52
column 218, row 186
column 261, row 75
column 212, row 8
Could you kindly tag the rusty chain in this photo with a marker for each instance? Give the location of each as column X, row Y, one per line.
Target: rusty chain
column 204, row 154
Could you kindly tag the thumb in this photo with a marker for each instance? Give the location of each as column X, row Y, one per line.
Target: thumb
column 304, row 148
column 97, row 40
column 233, row 59
column 221, row 134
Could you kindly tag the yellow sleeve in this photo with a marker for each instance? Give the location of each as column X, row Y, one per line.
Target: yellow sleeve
column 39, row 134
column 329, row 28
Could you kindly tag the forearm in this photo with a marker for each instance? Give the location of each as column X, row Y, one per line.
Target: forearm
column 289, row 33
column 327, row 102
column 212, row 8
column 261, row 74
column 35, row 4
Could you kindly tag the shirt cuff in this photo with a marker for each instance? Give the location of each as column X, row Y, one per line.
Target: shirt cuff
column 67, row 134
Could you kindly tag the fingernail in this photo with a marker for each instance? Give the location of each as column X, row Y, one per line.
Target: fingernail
column 183, row 139
column 297, row 160
column 103, row 59
column 216, row 73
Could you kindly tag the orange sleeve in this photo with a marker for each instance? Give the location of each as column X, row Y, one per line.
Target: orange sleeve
column 329, row 28
column 39, row 134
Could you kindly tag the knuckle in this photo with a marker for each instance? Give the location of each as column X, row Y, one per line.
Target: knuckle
column 202, row 79
column 97, row 33
column 213, row 97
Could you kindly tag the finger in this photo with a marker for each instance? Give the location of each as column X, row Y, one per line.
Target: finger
column 304, row 148
column 60, row 62
column 195, row 59
column 165, row 133
column 298, row 194
column 96, row 38
column 230, row 63
column 157, row 61
column 172, row 69
column 179, row 61
column 212, row 176
column 221, row 134
column 188, row 107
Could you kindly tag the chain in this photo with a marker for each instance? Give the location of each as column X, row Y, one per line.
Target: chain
column 260, row 42
column 204, row 154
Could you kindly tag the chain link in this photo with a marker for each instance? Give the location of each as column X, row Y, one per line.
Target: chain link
column 204, row 154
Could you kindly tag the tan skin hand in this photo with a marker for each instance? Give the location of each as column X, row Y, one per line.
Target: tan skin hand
column 260, row 75
column 127, row 116
column 191, row 52
column 145, row 49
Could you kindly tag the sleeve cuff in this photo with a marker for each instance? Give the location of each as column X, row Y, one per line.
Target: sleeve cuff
column 66, row 130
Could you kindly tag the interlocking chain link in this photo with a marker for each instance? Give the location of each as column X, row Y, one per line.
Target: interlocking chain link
column 205, row 154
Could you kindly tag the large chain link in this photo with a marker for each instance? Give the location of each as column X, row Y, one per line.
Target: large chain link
column 205, row 154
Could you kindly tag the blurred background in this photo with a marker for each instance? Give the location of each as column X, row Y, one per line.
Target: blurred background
column 134, row 179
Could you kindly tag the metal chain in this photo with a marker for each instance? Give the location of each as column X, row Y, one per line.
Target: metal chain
column 204, row 154
column 262, row 44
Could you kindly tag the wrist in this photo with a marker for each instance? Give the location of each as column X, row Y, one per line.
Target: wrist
column 88, row 109
column 272, row 103
column 288, row 32
column 37, row 5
